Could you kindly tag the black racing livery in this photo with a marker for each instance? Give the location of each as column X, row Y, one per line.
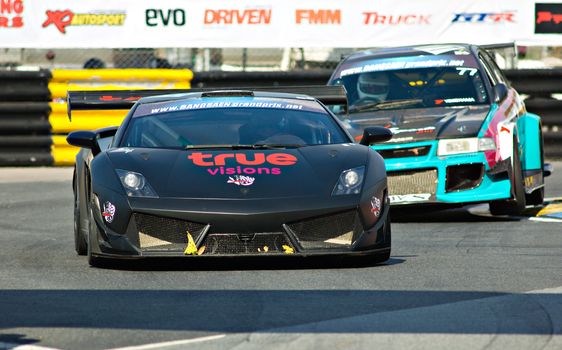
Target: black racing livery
column 228, row 173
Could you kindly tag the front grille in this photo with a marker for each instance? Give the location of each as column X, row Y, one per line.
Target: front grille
column 412, row 182
column 158, row 233
column 252, row 243
column 330, row 231
column 404, row 152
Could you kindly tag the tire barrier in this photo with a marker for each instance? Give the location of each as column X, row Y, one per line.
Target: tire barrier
column 100, row 79
column 34, row 121
column 24, row 118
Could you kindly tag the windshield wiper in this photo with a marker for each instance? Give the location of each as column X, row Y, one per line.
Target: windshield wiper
column 276, row 146
column 256, row 146
column 375, row 106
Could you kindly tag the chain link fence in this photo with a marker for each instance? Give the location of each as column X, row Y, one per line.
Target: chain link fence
column 198, row 59
column 219, row 59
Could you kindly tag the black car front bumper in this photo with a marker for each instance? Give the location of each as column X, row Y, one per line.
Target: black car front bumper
column 164, row 233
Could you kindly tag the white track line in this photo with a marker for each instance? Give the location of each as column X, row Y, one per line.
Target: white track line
column 170, row 343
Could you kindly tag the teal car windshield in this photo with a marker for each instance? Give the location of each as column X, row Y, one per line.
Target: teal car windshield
column 413, row 88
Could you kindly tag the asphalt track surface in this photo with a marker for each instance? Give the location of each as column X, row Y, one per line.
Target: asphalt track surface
column 457, row 279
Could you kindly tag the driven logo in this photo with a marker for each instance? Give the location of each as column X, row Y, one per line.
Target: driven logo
column 11, row 13
column 155, row 17
column 318, row 16
column 246, row 16
column 375, row 18
column 62, row 19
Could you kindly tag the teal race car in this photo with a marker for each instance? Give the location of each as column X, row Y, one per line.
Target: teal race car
column 461, row 132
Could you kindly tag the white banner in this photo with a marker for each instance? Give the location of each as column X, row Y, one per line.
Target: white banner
column 275, row 23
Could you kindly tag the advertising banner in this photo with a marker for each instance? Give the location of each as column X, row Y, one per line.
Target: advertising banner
column 274, row 23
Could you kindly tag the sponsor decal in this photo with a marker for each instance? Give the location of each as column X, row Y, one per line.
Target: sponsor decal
column 64, row 18
column 209, row 105
column 241, row 180
column 484, row 17
column 108, row 212
column 393, row 65
column 455, row 100
column 11, row 12
column 247, row 16
column 122, row 150
column 467, row 70
column 426, row 130
column 409, row 198
column 116, row 98
column 159, row 17
column 548, row 18
column 376, row 206
column 374, row 18
column 323, row 16
column 244, row 163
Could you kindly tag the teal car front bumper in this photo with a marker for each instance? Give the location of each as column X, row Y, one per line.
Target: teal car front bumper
column 427, row 178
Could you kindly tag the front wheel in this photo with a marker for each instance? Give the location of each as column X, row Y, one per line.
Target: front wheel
column 515, row 205
column 80, row 244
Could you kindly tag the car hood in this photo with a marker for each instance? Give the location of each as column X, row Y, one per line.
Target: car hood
column 419, row 124
column 240, row 174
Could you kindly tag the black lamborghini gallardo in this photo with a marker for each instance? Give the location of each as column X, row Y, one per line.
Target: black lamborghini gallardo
column 245, row 172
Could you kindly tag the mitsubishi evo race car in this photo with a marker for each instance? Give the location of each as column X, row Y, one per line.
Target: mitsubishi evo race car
column 227, row 173
column 461, row 132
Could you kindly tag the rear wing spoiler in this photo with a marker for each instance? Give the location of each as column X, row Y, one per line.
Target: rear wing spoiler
column 125, row 99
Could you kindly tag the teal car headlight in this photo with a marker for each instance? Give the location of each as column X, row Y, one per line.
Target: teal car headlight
column 466, row 145
column 135, row 184
column 350, row 181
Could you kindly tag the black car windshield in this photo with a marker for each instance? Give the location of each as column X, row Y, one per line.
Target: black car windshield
column 413, row 88
column 233, row 127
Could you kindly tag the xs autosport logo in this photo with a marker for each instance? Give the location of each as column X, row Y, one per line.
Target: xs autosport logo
column 64, row 18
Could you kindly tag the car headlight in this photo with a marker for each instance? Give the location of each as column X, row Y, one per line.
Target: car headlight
column 135, row 184
column 468, row 145
column 350, row 181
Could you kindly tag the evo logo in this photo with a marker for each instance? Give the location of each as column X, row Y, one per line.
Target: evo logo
column 156, row 17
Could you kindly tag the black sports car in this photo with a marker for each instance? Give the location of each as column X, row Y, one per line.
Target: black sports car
column 227, row 173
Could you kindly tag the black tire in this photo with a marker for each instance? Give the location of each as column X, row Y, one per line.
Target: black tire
column 387, row 240
column 92, row 236
column 537, row 196
column 515, row 205
column 80, row 244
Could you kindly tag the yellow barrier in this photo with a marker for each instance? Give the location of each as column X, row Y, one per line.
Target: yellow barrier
column 63, row 153
column 101, row 79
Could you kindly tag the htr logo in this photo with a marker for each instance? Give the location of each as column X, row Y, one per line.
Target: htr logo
column 204, row 159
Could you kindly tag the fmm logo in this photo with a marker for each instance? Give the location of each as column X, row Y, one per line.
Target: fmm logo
column 408, row 19
column 62, row 19
column 246, row 16
column 10, row 13
column 309, row 16
column 500, row 17
column 155, row 17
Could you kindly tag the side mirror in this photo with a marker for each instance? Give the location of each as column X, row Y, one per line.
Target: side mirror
column 375, row 134
column 500, row 92
column 82, row 138
column 89, row 139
